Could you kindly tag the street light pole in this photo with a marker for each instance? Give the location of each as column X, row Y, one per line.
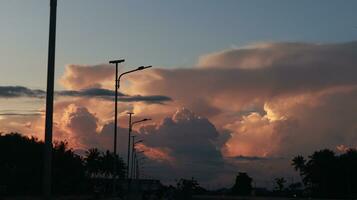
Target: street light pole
column 117, row 86
column 116, row 62
column 131, row 124
column 47, row 172
column 133, row 154
column 137, row 159
column 129, row 135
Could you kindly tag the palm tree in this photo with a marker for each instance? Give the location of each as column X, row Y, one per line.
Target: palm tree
column 106, row 165
column 299, row 163
column 92, row 162
column 280, row 183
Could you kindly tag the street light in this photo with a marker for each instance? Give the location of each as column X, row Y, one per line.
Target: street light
column 137, row 162
column 131, row 124
column 133, row 153
column 134, row 70
column 116, row 62
column 117, row 86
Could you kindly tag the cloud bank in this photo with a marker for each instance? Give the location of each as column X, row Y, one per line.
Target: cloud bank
column 247, row 109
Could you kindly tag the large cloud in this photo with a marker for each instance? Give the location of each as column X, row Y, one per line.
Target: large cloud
column 190, row 140
column 269, row 96
column 267, row 102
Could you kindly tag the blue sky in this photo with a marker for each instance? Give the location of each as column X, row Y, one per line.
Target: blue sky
column 157, row 32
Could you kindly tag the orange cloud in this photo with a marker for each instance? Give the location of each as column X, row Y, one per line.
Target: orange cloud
column 78, row 77
column 157, row 154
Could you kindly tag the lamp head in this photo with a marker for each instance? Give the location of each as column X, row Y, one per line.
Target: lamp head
column 143, row 67
column 116, row 61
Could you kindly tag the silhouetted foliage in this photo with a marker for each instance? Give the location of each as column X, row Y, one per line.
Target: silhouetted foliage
column 243, row 185
column 280, row 184
column 68, row 170
column 21, row 164
column 185, row 188
column 325, row 174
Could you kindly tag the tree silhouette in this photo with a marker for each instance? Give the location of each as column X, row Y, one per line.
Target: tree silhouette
column 243, row 184
column 106, row 165
column 325, row 174
column 21, row 166
column 92, row 162
column 185, row 188
column 280, row 184
column 68, row 170
column 299, row 163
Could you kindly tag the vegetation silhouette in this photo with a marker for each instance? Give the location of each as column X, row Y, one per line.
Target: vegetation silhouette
column 243, row 185
column 326, row 174
column 21, row 166
column 186, row 188
column 280, row 184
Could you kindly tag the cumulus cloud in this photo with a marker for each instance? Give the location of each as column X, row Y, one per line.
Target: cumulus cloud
column 190, row 140
column 297, row 68
column 264, row 101
column 77, row 77
column 269, row 96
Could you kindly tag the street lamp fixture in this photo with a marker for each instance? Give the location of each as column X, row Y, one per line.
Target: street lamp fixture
column 116, row 62
column 117, row 85
column 133, row 155
column 131, row 124
column 131, row 71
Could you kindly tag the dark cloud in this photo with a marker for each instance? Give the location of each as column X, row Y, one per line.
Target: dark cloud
column 254, row 158
column 182, row 145
column 31, row 112
column 109, row 95
column 19, row 91
column 21, row 114
column 190, row 140
column 91, row 92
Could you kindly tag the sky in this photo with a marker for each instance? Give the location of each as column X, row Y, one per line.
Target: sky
column 252, row 83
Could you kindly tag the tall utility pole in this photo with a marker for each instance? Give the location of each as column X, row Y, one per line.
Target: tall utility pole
column 47, row 172
column 132, row 157
column 116, row 62
column 137, row 169
column 129, row 135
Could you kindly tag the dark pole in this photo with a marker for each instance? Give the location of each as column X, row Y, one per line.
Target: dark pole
column 115, row 129
column 134, row 166
column 129, row 135
column 116, row 62
column 47, row 172
column 132, row 156
column 137, row 169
